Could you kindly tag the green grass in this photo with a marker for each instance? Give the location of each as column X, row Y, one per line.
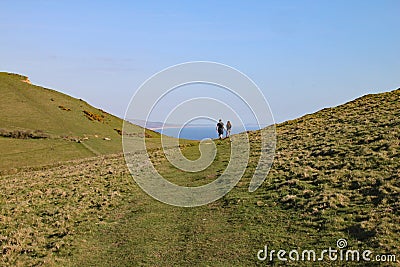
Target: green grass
column 50, row 151
column 335, row 175
column 64, row 119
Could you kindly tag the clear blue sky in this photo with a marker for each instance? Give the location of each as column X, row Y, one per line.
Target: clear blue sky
column 304, row 55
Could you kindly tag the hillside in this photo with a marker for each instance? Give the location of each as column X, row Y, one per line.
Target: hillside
column 340, row 168
column 335, row 175
column 40, row 126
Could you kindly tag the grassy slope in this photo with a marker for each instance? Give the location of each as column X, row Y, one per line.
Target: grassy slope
column 336, row 175
column 27, row 107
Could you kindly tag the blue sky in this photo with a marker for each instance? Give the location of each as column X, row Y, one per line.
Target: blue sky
column 304, row 55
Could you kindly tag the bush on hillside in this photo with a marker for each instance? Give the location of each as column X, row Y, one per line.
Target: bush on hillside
column 119, row 131
column 64, row 108
column 93, row 116
column 23, row 134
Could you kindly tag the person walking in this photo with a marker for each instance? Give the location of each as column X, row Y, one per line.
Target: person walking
column 228, row 128
column 220, row 128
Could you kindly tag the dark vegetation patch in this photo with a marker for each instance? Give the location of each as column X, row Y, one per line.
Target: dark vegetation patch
column 64, row 108
column 93, row 116
column 119, row 131
column 24, row 134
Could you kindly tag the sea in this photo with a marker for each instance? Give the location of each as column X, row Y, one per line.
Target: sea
column 200, row 132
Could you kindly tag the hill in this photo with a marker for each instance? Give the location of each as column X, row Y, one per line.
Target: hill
column 40, row 126
column 335, row 176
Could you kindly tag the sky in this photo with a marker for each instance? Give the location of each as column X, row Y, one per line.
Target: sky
column 303, row 55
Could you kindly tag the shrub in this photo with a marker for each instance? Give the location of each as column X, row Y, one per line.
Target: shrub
column 64, row 108
column 118, row 131
column 23, row 134
column 93, row 116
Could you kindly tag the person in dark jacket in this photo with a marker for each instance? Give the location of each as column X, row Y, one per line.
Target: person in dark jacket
column 220, row 128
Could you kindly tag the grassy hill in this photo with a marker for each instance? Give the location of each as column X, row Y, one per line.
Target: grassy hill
column 335, row 175
column 40, row 126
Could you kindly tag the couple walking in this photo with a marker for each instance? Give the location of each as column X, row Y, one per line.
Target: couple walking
column 220, row 128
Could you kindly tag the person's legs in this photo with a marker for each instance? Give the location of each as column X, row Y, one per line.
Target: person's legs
column 220, row 132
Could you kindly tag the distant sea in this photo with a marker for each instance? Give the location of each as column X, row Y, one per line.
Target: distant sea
column 199, row 133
